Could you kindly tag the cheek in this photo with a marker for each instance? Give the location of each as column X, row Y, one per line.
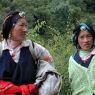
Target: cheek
column 80, row 41
column 91, row 40
column 15, row 33
column 17, row 29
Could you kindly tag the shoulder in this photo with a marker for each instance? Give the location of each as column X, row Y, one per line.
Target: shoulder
column 73, row 55
column 39, row 46
column 33, row 44
column 40, row 52
column 71, row 59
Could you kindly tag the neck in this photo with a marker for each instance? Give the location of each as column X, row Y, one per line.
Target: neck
column 87, row 50
column 13, row 44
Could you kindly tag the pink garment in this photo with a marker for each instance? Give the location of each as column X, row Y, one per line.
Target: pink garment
column 87, row 57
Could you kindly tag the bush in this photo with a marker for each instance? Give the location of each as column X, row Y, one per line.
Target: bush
column 60, row 48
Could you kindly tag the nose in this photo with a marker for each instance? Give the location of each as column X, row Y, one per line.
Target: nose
column 25, row 28
column 85, row 39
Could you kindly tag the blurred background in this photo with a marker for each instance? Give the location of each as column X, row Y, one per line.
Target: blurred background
column 50, row 23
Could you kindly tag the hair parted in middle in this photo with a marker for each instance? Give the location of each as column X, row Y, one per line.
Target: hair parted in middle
column 78, row 29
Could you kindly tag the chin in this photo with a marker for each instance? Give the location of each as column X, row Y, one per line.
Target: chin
column 87, row 49
column 23, row 38
column 20, row 40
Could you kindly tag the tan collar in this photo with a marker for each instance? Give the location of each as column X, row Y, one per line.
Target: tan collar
column 25, row 43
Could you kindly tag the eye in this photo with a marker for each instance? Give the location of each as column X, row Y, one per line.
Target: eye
column 21, row 25
column 24, row 25
column 81, row 37
column 89, row 35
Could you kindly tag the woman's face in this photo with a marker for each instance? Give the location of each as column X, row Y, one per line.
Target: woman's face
column 18, row 32
column 85, row 40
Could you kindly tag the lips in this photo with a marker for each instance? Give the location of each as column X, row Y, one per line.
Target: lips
column 86, row 44
column 24, row 33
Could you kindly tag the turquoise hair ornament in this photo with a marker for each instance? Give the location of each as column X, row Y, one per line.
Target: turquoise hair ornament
column 84, row 27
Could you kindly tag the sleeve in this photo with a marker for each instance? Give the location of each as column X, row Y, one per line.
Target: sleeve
column 42, row 53
column 48, row 79
column 51, row 86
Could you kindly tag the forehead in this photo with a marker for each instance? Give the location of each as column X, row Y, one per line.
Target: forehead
column 21, row 20
column 84, row 32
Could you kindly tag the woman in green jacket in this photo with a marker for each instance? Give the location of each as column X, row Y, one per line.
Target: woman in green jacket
column 82, row 62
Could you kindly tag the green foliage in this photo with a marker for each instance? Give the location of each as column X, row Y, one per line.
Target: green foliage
column 60, row 47
column 56, row 13
column 90, row 5
column 53, row 26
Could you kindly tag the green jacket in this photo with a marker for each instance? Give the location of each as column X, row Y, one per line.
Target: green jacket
column 82, row 79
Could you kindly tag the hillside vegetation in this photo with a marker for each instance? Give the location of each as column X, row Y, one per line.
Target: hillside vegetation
column 50, row 23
